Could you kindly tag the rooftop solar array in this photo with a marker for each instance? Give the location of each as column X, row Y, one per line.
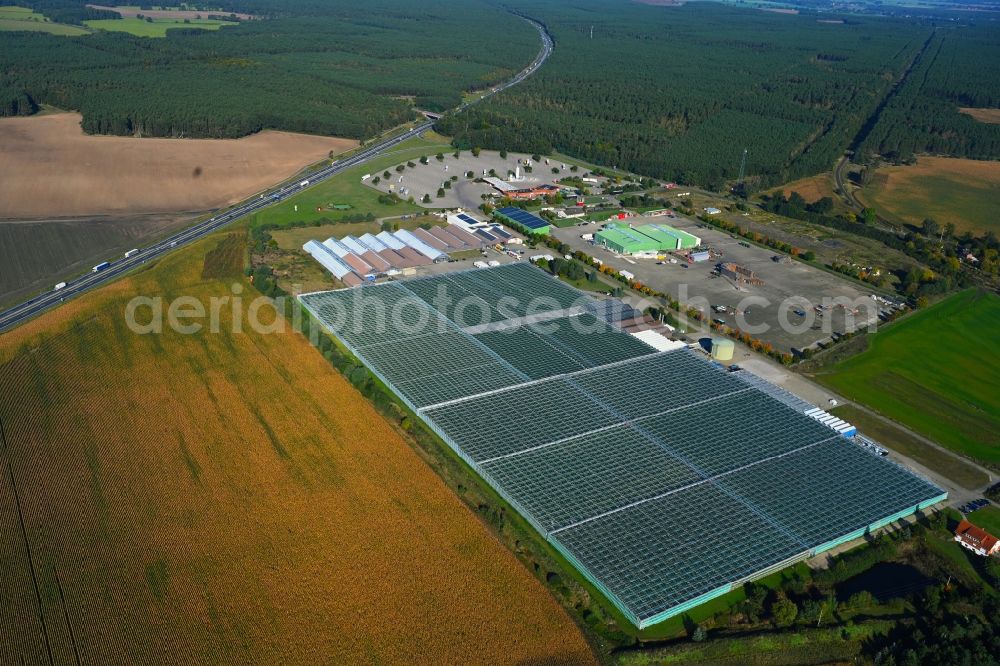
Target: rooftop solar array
column 524, row 218
column 663, row 478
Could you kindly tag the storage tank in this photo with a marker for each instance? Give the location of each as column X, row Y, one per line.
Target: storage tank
column 722, row 349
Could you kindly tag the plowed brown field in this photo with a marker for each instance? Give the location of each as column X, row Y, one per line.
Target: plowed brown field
column 229, row 498
column 50, row 168
column 989, row 116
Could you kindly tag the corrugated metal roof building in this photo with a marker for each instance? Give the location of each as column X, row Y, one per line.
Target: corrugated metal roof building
column 646, row 239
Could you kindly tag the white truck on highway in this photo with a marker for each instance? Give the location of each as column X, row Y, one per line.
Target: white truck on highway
column 131, row 253
column 303, row 183
column 60, row 286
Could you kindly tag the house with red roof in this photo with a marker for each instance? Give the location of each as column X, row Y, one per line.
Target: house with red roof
column 976, row 539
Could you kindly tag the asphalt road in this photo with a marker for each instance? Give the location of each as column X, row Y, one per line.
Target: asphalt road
column 843, row 185
column 19, row 313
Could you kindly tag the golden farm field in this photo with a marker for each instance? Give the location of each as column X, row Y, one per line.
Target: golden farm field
column 230, row 498
column 963, row 192
column 52, row 169
column 811, row 189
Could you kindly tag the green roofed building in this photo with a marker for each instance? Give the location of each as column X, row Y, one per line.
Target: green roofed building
column 644, row 240
column 523, row 221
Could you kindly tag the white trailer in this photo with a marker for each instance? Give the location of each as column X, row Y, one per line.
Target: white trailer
column 303, row 183
column 131, row 253
column 60, row 286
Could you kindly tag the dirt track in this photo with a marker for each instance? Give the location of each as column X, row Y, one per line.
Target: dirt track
column 50, row 168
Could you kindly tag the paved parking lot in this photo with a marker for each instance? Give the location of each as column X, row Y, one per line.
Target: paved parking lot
column 769, row 312
column 464, row 193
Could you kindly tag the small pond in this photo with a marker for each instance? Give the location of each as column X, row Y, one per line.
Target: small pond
column 885, row 580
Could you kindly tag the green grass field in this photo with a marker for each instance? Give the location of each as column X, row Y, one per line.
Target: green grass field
column 156, row 28
column 347, row 188
column 954, row 468
column 988, row 518
column 23, row 18
column 935, row 372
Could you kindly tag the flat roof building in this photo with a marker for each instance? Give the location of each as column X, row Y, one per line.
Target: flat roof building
column 644, row 240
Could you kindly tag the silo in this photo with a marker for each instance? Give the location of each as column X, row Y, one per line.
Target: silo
column 722, row 349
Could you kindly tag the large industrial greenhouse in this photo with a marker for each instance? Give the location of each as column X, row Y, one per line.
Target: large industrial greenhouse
column 664, row 479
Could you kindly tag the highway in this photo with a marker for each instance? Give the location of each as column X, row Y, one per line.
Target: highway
column 23, row 311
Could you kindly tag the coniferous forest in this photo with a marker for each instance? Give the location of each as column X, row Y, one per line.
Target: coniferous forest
column 959, row 68
column 338, row 68
column 679, row 92
column 672, row 92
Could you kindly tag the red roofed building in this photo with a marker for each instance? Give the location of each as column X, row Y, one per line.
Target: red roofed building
column 532, row 192
column 976, row 539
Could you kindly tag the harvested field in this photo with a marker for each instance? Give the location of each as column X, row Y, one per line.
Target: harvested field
column 21, row 18
column 811, row 189
column 154, row 28
column 132, row 12
column 963, row 192
column 989, row 116
column 229, row 498
column 38, row 253
column 52, row 169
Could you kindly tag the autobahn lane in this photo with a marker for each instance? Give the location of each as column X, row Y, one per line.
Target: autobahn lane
column 38, row 304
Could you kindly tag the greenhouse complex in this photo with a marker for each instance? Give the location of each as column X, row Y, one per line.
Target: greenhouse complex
column 663, row 478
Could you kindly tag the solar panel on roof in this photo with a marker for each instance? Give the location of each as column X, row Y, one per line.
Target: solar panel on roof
column 500, row 231
column 523, row 218
column 468, row 220
column 482, row 233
